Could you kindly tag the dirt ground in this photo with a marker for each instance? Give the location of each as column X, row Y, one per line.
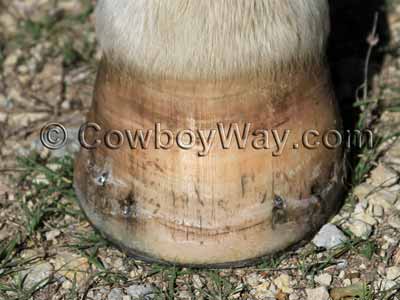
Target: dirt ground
column 48, row 60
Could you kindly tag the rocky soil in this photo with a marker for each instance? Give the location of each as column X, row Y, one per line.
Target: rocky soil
column 48, row 58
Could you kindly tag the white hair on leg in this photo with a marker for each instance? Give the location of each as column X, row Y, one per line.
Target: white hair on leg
column 212, row 39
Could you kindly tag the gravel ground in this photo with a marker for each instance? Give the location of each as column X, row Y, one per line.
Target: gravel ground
column 48, row 58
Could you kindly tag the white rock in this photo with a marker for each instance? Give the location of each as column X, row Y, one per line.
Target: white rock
column 294, row 297
column 264, row 292
column 329, row 237
column 394, row 221
column 3, row 117
column 197, row 282
column 52, row 235
column 362, row 191
column 283, row 283
column 365, row 218
column 384, row 199
column 347, row 282
column 384, row 285
column 38, row 274
column 382, row 176
column 320, row 293
column 126, row 297
column 253, row 279
column 393, row 273
column 361, row 207
column 140, row 291
column 115, row 294
column 360, row 229
column 67, row 285
column 377, row 211
column 12, row 59
column 342, row 264
column 24, row 119
column 324, row 279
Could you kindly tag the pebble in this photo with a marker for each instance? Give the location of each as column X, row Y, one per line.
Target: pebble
column 53, row 234
column 324, row 279
column 115, row 294
column 384, row 285
column 37, row 274
column 360, row 229
column 12, row 59
column 382, row 176
column 365, row 218
column 197, row 282
column 294, row 297
column 140, row 291
column 342, row 264
column 265, row 292
column 71, row 265
column 320, row 293
column 394, row 221
column 362, row 191
column 347, row 282
column 253, row 279
column 283, row 283
column 377, row 211
column 329, row 237
column 3, row 117
column 393, row 273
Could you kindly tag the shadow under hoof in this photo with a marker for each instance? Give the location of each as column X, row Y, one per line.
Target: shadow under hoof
column 352, row 22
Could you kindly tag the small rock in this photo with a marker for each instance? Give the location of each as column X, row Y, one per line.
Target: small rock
column 197, row 282
column 377, row 211
column 394, row 221
column 263, row 291
column 52, row 235
column 3, row 117
column 324, row 279
column 382, row 176
column 342, row 264
column 41, row 179
column 67, row 285
column 294, row 297
column 38, row 274
column 25, row 119
column 12, row 59
column 329, row 237
column 138, row 291
column 384, row 199
column 347, row 282
column 126, row 297
column 184, row 295
column 360, row 229
column 362, row 191
column 396, row 257
column 361, row 207
column 320, row 293
column 348, row 292
column 115, row 294
column 253, row 279
column 393, row 273
column 384, row 285
column 365, row 218
column 283, row 283
column 70, row 265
